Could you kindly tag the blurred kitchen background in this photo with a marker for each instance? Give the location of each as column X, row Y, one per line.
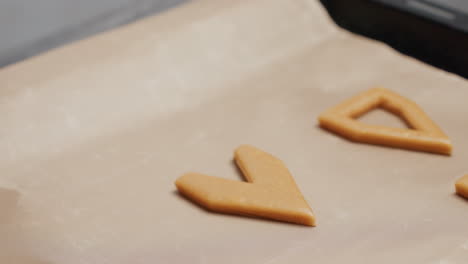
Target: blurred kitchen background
column 29, row 27
column 433, row 31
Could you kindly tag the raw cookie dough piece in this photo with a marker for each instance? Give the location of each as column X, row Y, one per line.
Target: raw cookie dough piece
column 424, row 134
column 461, row 186
column 270, row 191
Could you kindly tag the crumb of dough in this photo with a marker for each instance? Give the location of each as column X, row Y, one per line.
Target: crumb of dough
column 461, row 186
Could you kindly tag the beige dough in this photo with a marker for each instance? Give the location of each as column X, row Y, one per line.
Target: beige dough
column 424, row 134
column 461, row 186
column 270, row 191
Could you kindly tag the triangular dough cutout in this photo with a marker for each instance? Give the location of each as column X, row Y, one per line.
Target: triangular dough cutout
column 424, row 134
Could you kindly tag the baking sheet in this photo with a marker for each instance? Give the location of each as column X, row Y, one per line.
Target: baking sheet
column 94, row 135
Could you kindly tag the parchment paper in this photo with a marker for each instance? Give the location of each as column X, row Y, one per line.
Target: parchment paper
column 94, row 134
